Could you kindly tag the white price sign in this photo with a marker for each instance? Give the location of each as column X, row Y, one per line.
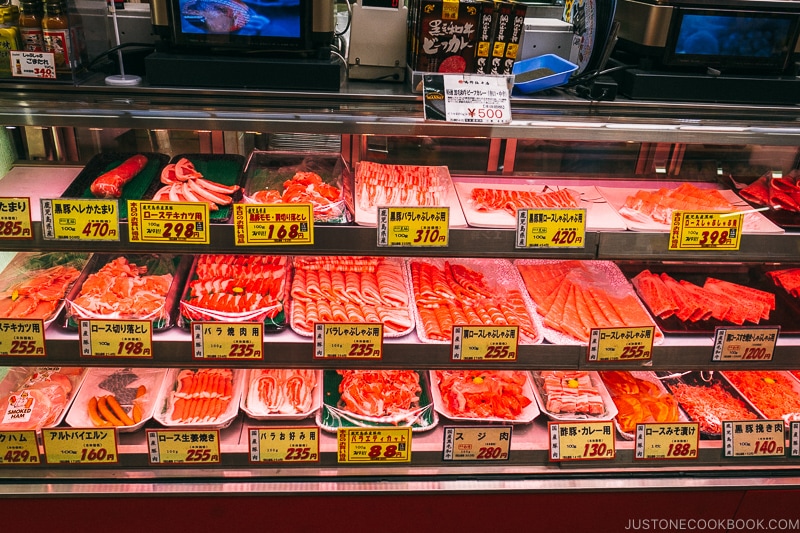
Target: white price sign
column 41, row 65
column 467, row 98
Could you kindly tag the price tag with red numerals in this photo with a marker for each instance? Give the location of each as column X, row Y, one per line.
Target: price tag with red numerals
column 168, row 222
column 274, row 224
column 692, row 230
column 184, row 447
column 22, row 338
column 223, row 340
column 291, row 444
column 39, row 65
column 754, row 438
column 581, row 441
column 745, row 344
column 80, row 446
column 418, row 227
column 343, row 340
column 551, row 228
column 674, row 440
column 485, row 343
column 80, row 219
column 621, row 344
column 15, row 219
column 18, row 447
column 116, row 338
column 375, row 444
column 477, row 443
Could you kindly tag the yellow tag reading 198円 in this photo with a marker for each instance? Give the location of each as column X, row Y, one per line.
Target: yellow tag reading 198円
column 116, row 338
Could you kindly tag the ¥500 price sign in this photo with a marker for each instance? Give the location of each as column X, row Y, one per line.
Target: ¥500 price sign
column 185, row 447
column 284, row 445
column 80, row 219
column 551, row 228
column 80, row 446
column 22, row 338
column 414, row 226
column 621, row 344
column 485, row 343
column 371, row 445
column 276, row 224
column 753, row 438
column 168, row 222
column 18, row 447
column 581, row 441
column 220, row 340
column 15, row 218
column 676, row 440
column 348, row 340
column 705, row 231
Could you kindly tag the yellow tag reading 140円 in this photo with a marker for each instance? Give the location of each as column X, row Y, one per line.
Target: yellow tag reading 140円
column 477, row 443
column 581, row 441
column 291, row 444
column 705, row 230
column 753, row 438
column 80, row 446
column 18, row 447
column 168, row 222
column 745, row 344
column 22, row 337
column 551, row 228
column 673, row 440
column 91, row 219
column 274, row 224
column 185, row 447
column 414, row 226
column 116, row 338
column 621, row 344
column 369, row 445
column 348, row 340
column 15, row 218
column 220, row 340
column 485, row 343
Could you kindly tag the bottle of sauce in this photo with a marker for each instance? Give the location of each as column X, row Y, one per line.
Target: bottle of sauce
column 57, row 36
column 30, row 25
column 9, row 38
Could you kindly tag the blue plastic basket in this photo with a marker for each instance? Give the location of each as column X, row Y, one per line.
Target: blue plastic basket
column 562, row 70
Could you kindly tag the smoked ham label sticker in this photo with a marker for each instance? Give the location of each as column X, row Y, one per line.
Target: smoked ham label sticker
column 291, row 444
column 414, row 226
column 705, row 231
column 753, row 438
column 22, row 338
column 20, row 407
column 19, row 447
column 477, row 443
column 278, row 224
column 15, row 219
column 85, row 219
column 745, row 344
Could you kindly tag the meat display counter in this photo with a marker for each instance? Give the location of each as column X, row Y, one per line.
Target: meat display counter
column 50, row 131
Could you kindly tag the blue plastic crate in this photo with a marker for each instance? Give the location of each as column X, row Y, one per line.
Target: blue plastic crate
column 561, row 68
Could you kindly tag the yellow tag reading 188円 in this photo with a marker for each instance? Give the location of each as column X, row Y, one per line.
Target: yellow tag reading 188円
column 80, row 446
column 370, row 445
column 80, row 219
column 413, row 226
column 621, row 344
column 551, row 228
column 168, row 222
column 274, row 224
column 348, row 340
column 485, row 343
column 673, row 440
column 705, row 231
column 745, row 344
column 220, row 340
column 15, row 218
column 22, row 337
column 291, row 444
column 581, row 441
column 116, row 338
column 190, row 446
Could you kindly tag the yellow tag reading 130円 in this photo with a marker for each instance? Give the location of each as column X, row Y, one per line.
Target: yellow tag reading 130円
column 234, row 340
column 581, row 441
column 168, row 222
column 18, row 447
column 274, row 224
column 753, row 438
column 15, row 218
column 621, row 344
column 551, row 228
column 414, row 226
column 745, row 344
column 92, row 219
column 116, row 338
column 672, row 440
column 477, row 443
column 291, row 444
column 705, row 230
column 22, row 337
column 348, row 340
column 485, row 343
column 184, row 447
column 80, row 446
column 370, row 445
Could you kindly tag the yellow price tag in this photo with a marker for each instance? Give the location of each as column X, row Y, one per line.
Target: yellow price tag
column 621, row 344
column 745, row 344
column 674, row 440
column 551, row 228
column 15, row 218
column 274, row 224
column 348, row 340
column 222, row 340
column 581, row 441
column 754, row 438
column 168, row 222
column 116, row 338
column 22, row 338
column 280, row 444
column 80, row 446
column 705, row 230
column 91, row 219
column 485, row 343
column 414, row 226
column 371, row 445
column 477, row 443
column 184, row 447
column 19, row 448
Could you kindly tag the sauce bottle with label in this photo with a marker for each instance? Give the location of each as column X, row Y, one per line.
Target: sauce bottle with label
column 9, row 38
column 30, row 25
column 57, row 36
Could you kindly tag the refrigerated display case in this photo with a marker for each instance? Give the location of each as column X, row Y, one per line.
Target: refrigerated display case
column 54, row 132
